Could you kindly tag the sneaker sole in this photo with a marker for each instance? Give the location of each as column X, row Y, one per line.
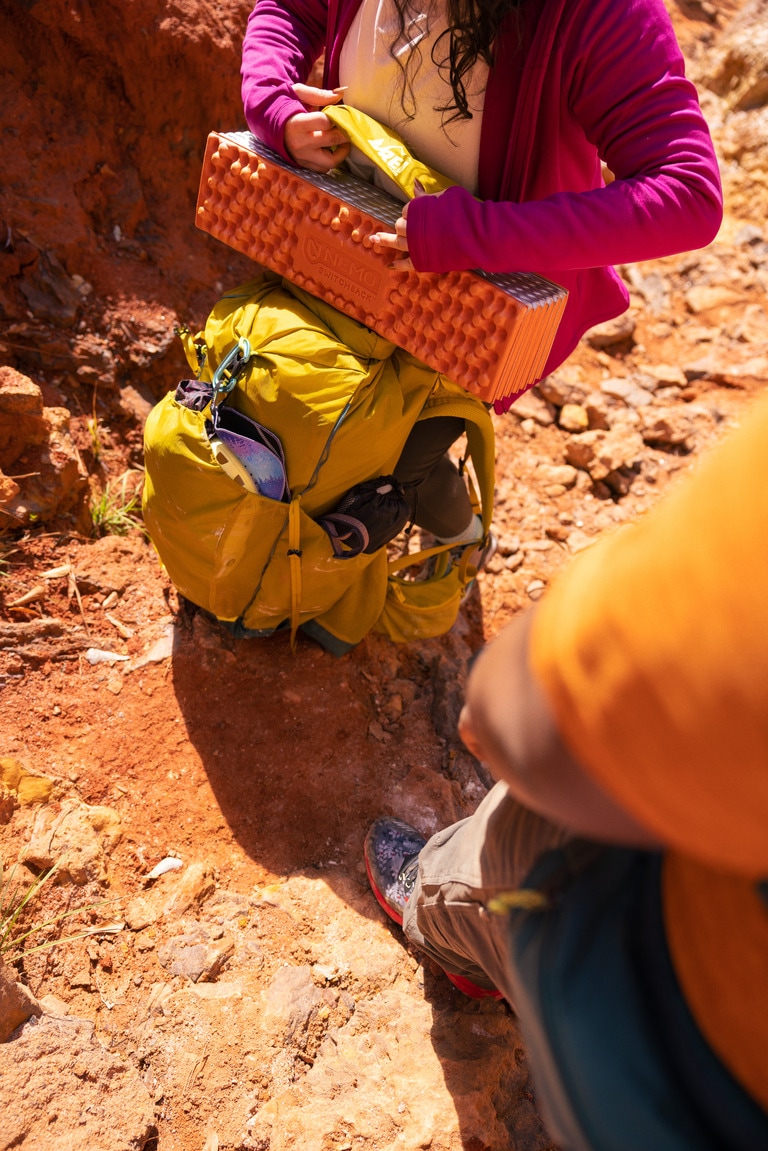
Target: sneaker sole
column 380, row 898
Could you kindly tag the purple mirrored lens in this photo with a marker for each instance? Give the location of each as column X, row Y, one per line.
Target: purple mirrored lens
column 262, row 465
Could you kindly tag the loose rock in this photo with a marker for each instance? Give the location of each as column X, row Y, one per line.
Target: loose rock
column 69, row 1091
column 17, row 1003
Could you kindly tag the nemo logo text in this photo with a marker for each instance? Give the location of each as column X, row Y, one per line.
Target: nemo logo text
column 340, row 262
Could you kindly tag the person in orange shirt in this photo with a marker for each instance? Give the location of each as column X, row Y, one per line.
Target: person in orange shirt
column 613, row 885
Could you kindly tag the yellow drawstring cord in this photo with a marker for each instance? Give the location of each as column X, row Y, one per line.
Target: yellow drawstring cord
column 521, row 899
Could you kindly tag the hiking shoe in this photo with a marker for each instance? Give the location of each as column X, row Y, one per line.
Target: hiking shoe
column 467, row 987
column 392, row 861
column 480, row 558
column 486, row 554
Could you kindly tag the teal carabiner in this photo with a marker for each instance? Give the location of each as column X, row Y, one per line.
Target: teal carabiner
column 230, row 369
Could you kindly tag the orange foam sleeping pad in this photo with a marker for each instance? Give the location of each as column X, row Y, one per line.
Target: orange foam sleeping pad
column 489, row 333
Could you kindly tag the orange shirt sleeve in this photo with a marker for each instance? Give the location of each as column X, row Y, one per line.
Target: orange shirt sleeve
column 652, row 650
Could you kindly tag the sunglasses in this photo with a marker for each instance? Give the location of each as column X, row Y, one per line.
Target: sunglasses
column 249, row 453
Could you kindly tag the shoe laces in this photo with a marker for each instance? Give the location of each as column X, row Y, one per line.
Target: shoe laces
column 408, row 872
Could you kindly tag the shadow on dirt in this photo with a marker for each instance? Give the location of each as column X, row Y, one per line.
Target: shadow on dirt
column 303, row 750
column 482, row 1059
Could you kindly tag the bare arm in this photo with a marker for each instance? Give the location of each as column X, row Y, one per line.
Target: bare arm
column 507, row 723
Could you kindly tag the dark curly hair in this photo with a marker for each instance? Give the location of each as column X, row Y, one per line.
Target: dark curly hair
column 473, row 26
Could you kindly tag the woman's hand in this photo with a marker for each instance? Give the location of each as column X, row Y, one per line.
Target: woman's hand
column 398, row 240
column 311, row 140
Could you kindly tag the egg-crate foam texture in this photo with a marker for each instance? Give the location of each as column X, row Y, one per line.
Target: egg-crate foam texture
column 490, row 333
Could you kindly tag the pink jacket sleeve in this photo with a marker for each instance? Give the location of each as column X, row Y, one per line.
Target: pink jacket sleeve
column 279, row 49
column 624, row 91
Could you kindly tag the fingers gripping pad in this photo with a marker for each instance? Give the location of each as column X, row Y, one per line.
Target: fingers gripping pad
column 489, row 333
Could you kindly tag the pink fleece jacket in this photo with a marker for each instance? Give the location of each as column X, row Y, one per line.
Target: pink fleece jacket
column 575, row 83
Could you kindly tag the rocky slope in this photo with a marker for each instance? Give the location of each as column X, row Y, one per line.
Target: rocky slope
column 254, row 997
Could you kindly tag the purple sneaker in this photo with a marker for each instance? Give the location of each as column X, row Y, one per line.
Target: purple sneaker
column 392, row 860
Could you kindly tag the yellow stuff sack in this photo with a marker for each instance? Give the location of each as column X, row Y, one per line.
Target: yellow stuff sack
column 387, row 151
column 342, row 401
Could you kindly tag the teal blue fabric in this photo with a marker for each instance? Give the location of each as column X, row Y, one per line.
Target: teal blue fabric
column 618, row 1061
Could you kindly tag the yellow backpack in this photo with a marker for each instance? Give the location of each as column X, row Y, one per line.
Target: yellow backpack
column 342, row 401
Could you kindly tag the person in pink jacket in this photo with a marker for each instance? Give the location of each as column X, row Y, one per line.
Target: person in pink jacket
column 524, row 104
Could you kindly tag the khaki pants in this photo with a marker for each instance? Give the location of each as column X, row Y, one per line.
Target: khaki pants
column 460, row 869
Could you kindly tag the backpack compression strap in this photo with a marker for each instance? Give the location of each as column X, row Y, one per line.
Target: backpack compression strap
column 294, row 559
